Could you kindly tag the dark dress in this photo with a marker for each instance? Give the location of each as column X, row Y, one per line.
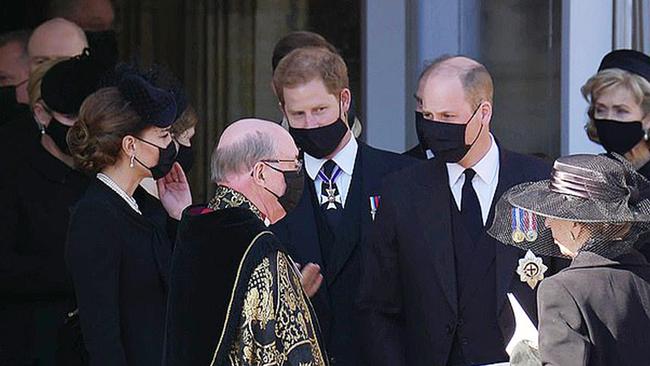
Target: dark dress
column 119, row 261
column 35, row 290
column 596, row 312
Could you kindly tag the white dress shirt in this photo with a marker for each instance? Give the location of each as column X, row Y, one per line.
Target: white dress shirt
column 345, row 160
column 485, row 181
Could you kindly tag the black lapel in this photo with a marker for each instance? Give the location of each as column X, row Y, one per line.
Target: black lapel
column 432, row 200
column 305, row 240
column 155, row 218
column 506, row 257
column 349, row 231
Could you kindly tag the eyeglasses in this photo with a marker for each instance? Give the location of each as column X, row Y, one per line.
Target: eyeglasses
column 297, row 162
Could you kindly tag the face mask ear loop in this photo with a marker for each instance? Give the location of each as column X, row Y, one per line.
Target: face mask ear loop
column 480, row 129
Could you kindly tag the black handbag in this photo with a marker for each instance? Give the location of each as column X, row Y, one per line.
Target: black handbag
column 71, row 350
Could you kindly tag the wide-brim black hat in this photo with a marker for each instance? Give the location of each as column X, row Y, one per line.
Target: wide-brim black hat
column 629, row 60
column 66, row 85
column 155, row 106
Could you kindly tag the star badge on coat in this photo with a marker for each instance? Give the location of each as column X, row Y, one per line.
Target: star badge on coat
column 531, row 269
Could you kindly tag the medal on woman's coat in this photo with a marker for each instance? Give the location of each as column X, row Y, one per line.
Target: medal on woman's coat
column 531, row 269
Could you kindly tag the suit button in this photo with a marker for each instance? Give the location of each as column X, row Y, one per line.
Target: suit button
column 464, row 341
column 332, row 361
column 461, row 322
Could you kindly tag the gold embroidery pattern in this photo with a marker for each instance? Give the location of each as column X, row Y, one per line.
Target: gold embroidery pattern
column 225, row 197
column 275, row 332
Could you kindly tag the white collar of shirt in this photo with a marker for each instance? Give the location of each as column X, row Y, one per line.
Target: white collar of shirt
column 484, row 183
column 344, row 159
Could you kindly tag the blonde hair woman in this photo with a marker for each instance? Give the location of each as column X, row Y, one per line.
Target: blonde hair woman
column 619, row 106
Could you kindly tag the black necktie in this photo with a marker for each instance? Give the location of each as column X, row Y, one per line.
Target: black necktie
column 470, row 208
column 332, row 209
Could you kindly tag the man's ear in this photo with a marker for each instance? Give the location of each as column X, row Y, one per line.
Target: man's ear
column 41, row 115
column 346, row 100
column 258, row 174
column 485, row 112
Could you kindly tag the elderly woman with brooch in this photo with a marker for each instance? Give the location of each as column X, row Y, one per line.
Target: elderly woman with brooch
column 592, row 210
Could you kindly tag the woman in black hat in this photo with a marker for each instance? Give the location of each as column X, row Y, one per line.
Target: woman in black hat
column 119, row 246
column 34, row 213
column 592, row 210
column 619, row 106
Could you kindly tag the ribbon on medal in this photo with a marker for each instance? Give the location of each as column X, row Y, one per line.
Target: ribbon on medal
column 530, row 223
column 518, row 235
column 374, row 206
column 331, row 194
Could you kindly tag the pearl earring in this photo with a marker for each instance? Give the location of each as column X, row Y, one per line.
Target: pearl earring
column 131, row 165
column 645, row 135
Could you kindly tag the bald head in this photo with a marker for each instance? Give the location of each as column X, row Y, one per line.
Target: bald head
column 473, row 76
column 55, row 38
column 247, row 142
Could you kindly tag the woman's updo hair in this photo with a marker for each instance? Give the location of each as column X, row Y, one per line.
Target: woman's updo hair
column 606, row 80
column 95, row 140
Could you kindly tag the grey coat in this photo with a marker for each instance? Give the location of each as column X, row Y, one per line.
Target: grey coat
column 596, row 312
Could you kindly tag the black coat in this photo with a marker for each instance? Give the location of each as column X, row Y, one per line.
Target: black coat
column 299, row 232
column 119, row 261
column 416, row 152
column 409, row 287
column 596, row 312
column 34, row 283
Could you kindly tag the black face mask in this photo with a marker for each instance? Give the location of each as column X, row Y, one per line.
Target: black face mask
column 295, row 182
column 445, row 140
column 58, row 132
column 103, row 47
column 321, row 141
column 619, row 137
column 185, row 157
column 166, row 159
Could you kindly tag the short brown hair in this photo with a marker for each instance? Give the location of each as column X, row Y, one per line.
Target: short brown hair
column 185, row 121
column 298, row 39
column 303, row 65
column 606, row 80
column 95, row 140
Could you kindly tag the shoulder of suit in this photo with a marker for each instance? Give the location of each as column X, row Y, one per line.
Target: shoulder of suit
column 386, row 158
column 532, row 167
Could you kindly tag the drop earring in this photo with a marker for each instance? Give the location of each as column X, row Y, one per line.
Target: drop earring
column 131, row 165
column 645, row 135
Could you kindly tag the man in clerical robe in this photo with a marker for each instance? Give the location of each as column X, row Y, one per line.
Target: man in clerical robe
column 235, row 296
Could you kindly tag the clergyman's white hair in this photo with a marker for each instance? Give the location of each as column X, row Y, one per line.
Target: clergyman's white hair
column 240, row 156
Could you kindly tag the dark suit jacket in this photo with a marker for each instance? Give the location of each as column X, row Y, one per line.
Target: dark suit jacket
column 335, row 301
column 119, row 262
column 416, row 152
column 408, row 287
column 596, row 312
